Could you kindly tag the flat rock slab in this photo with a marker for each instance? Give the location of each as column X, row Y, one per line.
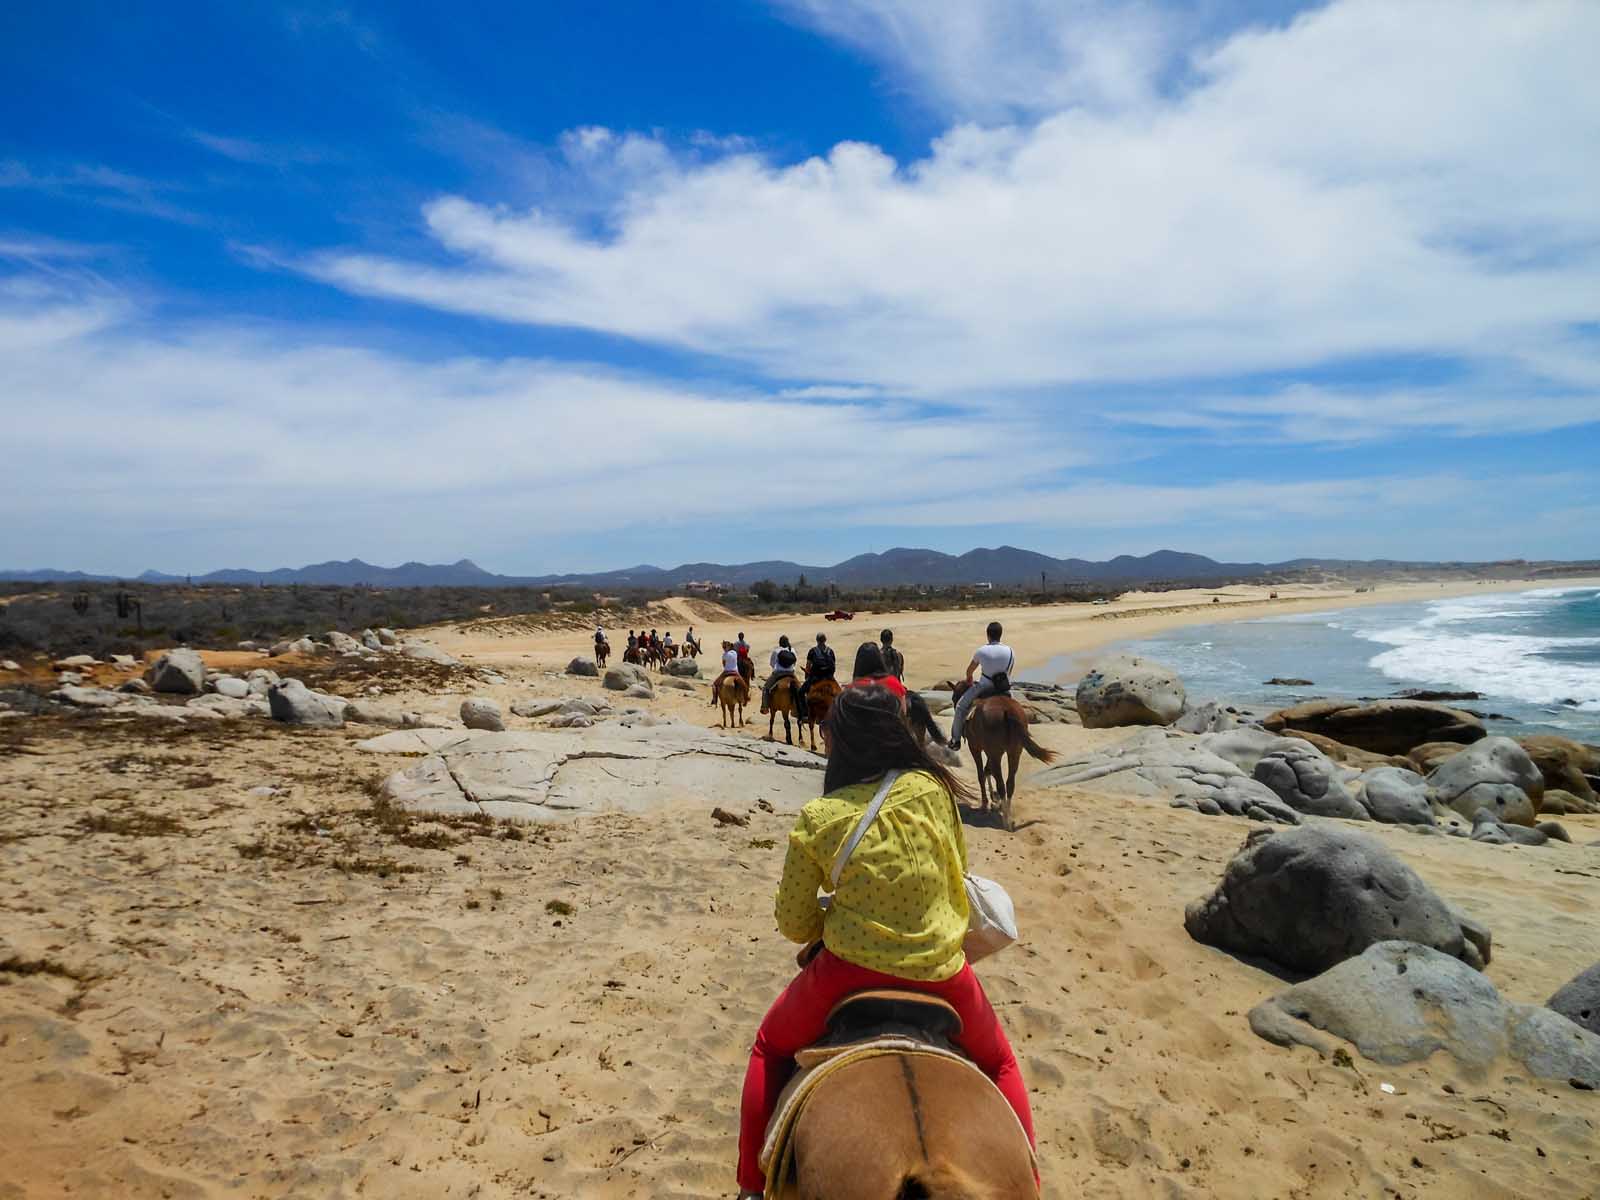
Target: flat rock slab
column 530, row 776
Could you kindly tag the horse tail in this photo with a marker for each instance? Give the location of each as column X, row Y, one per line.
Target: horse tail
column 1019, row 728
column 922, row 717
column 941, row 1183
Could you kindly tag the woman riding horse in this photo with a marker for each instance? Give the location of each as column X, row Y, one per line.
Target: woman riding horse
column 897, row 918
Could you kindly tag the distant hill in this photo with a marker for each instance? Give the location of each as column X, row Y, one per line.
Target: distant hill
column 1002, row 565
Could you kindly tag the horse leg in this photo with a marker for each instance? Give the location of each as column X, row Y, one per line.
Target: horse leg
column 977, row 761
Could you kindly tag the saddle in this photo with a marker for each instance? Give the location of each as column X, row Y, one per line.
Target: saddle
column 863, row 1018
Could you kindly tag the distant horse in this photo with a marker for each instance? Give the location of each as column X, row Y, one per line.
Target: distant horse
column 602, row 651
column 907, row 1125
column 691, row 648
column 747, row 669
column 785, row 699
column 733, row 693
column 652, row 655
column 998, row 725
column 630, row 654
column 819, row 700
column 669, row 650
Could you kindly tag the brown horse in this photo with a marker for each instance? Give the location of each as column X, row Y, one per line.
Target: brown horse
column 691, row 649
column 602, row 651
column 785, row 699
column 996, row 726
column 651, row 655
column 733, row 693
column 936, row 1131
column 819, row 701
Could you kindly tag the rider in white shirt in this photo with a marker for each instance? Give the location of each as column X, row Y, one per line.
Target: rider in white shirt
column 992, row 660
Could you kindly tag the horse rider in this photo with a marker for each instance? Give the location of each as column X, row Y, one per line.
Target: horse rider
column 633, row 647
column 996, row 662
column 742, row 649
column 897, row 919
column 655, row 642
column 730, row 666
column 820, row 664
column 599, row 637
column 781, row 663
column 894, row 662
column 666, row 640
column 688, row 639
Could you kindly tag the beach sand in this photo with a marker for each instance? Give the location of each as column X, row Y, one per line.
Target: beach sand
column 209, row 992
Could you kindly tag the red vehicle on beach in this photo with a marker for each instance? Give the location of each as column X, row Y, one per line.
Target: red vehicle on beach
column 839, row 614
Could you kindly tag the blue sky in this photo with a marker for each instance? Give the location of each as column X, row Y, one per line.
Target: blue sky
column 575, row 286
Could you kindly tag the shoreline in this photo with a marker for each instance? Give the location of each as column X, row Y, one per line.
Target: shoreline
column 937, row 645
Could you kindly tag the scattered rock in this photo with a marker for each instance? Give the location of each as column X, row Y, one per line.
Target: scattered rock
column 364, row 712
column 723, row 817
column 623, row 676
column 1579, row 999
column 1277, row 682
column 231, row 706
column 300, row 645
column 293, row 703
column 1555, row 831
column 135, row 687
column 582, row 666
column 1559, row 803
column 387, row 637
column 1395, row 796
column 231, row 686
column 427, row 652
column 369, row 639
column 682, row 685
column 1486, row 827
column 1125, row 690
column 684, row 668
column 1494, row 774
column 343, row 643
column 479, row 712
column 1383, row 727
column 1311, row 897
column 10, row 664
column 1309, row 782
column 1350, row 756
column 89, row 697
column 180, row 671
column 70, row 678
column 74, row 661
column 640, row 691
column 1399, row 1002
column 571, row 720
column 1243, row 747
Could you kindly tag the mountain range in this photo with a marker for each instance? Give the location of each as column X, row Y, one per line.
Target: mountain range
column 900, row 566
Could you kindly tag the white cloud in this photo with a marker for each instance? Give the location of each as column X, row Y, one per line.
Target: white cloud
column 1375, row 179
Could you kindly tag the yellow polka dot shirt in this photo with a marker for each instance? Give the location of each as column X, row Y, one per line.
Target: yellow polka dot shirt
column 901, row 907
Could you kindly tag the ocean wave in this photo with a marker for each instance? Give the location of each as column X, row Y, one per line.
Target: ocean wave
column 1510, row 665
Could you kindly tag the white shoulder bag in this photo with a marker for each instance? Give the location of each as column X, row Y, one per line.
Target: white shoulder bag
column 991, row 919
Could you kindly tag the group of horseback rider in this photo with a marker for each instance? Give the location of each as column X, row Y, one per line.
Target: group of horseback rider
column 641, row 645
column 783, row 665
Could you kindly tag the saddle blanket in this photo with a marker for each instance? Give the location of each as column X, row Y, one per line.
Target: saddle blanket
column 777, row 1149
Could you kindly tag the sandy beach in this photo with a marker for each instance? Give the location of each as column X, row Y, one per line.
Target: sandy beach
column 214, row 990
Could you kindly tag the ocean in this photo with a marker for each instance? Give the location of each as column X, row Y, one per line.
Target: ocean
column 1534, row 656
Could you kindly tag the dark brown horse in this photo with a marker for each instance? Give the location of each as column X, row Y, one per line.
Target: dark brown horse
column 996, row 726
column 602, row 651
column 902, row 1126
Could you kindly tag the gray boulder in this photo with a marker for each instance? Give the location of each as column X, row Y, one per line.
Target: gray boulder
column 387, row 637
column 1309, row 782
column 1396, row 796
column 682, row 685
column 684, row 668
column 1494, row 774
column 179, row 671
column 1383, row 727
column 1579, row 999
column 231, row 706
column 1124, row 690
column 293, row 703
column 427, row 652
column 479, row 712
column 343, row 643
column 623, row 676
column 640, row 691
column 89, row 697
column 369, row 639
column 582, row 666
column 300, row 645
column 1310, row 897
column 1399, row 1002
column 1244, row 748
column 231, row 686
column 364, row 712
column 1487, row 827
column 1209, row 717
column 135, row 687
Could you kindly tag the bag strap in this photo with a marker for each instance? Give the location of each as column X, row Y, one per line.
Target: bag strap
column 860, row 830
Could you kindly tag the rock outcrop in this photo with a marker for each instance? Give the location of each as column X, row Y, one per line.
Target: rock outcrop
column 622, row 676
column 1395, row 796
column 1579, row 999
column 683, row 668
column 293, row 703
column 583, row 666
column 1564, row 763
column 1399, row 1002
column 1383, row 727
column 1124, row 690
column 1309, row 782
column 1311, row 897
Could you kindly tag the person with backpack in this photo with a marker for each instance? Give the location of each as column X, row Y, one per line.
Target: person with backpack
column 996, row 662
column 893, row 660
column 781, row 662
column 820, row 664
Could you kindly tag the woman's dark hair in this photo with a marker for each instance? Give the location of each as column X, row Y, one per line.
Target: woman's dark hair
column 869, row 661
column 868, row 735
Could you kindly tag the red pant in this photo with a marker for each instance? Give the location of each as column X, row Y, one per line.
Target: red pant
column 798, row 1017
